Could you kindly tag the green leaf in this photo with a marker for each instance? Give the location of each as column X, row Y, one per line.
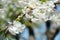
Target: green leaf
column 1, row 6
column 10, row 37
column 43, row 0
column 3, row 24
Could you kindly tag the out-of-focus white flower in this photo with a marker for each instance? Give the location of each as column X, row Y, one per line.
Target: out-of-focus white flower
column 28, row 16
column 26, row 10
column 16, row 28
column 55, row 18
column 32, row 5
column 2, row 13
column 7, row 1
column 54, row 0
column 34, row 20
column 22, row 3
column 33, row 9
column 39, row 10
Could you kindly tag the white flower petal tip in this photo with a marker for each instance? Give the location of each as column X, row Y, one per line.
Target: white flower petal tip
column 16, row 28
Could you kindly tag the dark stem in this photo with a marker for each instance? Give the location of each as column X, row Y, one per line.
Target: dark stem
column 17, row 36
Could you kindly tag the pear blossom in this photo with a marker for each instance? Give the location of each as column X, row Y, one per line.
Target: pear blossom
column 2, row 13
column 54, row 1
column 32, row 9
column 40, row 11
column 34, row 20
column 16, row 28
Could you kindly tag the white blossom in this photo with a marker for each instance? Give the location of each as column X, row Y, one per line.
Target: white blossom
column 16, row 28
column 32, row 9
column 54, row 0
column 40, row 11
column 34, row 20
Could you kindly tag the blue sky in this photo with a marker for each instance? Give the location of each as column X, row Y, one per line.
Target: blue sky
column 58, row 8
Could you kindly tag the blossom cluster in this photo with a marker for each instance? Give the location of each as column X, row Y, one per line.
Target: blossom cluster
column 35, row 11
column 9, row 9
column 16, row 28
column 38, row 11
